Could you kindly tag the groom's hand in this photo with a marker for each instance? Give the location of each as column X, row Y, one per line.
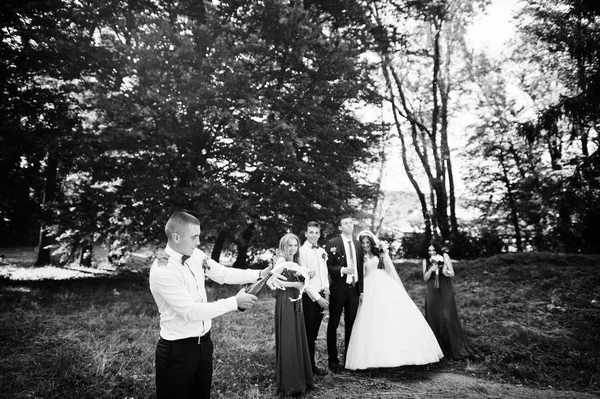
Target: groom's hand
column 323, row 302
column 265, row 271
column 347, row 271
column 245, row 300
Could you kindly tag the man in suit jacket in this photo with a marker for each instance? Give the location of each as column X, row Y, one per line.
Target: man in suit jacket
column 345, row 266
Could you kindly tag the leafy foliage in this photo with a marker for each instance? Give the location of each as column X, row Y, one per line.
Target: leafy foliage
column 241, row 113
column 531, row 147
column 47, row 56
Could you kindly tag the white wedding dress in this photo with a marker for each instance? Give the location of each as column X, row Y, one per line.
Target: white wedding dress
column 389, row 330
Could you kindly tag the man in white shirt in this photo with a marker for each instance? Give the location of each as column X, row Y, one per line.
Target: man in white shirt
column 184, row 351
column 314, row 298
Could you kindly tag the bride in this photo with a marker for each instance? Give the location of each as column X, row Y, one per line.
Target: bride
column 389, row 330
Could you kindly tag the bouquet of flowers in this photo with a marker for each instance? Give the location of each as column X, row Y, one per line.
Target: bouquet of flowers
column 383, row 246
column 293, row 272
column 437, row 261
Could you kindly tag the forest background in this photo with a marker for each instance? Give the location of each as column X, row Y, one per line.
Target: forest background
column 260, row 116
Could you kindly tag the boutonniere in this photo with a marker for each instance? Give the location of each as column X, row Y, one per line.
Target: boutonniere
column 333, row 250
column 205, row 265
column 324, row 256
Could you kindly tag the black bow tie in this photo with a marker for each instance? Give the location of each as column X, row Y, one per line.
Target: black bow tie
column 184, row 258
column 315, row 246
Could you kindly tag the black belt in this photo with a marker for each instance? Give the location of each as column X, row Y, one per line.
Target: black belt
column 191, row 340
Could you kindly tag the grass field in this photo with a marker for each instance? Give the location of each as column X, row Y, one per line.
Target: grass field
column 533, row 318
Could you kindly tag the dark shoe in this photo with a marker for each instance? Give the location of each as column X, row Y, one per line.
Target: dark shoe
column 318, row 371
column 334, row 367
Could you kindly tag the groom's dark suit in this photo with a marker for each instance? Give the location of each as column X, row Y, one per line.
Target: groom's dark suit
column 343, row 296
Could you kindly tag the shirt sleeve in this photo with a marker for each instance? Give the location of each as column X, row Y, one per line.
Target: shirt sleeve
column 227, row 275
column 310, row 288
column 169, row 291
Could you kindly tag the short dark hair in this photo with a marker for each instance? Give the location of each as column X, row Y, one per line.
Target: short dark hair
column 313, row 224
column 345, row 216
column 179, row 219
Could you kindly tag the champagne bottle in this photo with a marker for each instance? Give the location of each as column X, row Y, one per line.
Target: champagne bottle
column 255, row 288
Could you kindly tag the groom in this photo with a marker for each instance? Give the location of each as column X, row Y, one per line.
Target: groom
column 345, row 266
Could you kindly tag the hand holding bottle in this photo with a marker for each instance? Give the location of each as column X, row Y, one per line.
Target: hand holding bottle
column 245, row 300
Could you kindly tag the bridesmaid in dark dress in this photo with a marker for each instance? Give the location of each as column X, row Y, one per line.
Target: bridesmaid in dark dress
column 440, row 305
column 293, row 370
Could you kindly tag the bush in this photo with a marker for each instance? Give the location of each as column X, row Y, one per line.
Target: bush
column 413, row 245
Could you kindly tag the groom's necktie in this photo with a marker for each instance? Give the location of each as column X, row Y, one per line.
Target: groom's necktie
column 184, row 258
column 352, row 263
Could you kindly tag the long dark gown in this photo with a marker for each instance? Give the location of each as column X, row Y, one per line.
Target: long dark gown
column 442, row 316
column 293, row 370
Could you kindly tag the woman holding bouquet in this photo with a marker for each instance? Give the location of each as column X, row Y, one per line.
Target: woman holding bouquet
column 293, row 370
column 440, row 305
column 389, row 330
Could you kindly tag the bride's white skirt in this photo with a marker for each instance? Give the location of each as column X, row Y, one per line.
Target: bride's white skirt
column 389, row 330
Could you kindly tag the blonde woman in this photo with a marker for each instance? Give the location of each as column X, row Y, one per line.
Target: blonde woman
column 293, row 370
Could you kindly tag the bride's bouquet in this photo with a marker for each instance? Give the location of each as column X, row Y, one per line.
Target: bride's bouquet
column 438, row 261
column 383, row 246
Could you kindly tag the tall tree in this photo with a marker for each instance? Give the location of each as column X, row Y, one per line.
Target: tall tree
column 47, row 54
column 570, row 27
column 241, row 113
column 570, row 30
column 433, row 41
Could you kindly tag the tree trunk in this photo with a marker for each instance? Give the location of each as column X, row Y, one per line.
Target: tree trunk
column 43, row 251
column 453, row 218
column 407, row 169
column 243, row 244
column 445, row 148
column 584, row 141
column 85, row 256
column 378, row 213
column 510, row 195
column 218, row 247
column 415, row 184
column 441, row 208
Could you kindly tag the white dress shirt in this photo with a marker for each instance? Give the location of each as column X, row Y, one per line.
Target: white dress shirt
column 178, row 290
column 350, row 259
column 315, row 260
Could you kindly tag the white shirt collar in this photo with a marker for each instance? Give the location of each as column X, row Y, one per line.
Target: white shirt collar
column 307, row 244
column 346, row 239
column 174, row 254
